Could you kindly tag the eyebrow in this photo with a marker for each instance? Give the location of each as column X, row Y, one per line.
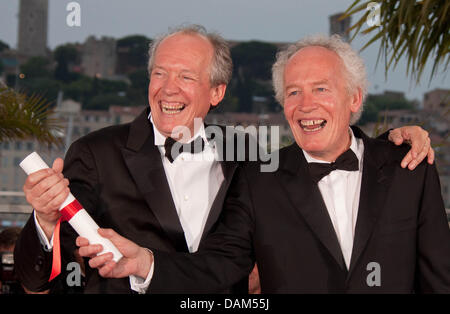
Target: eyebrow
column 158, row 67
column 182, row 70
column 325, row 81
column 290, row 86
column 189, row 71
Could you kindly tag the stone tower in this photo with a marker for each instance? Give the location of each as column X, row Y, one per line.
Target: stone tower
column 33, row 25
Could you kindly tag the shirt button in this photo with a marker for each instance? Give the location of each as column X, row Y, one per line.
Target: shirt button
column 186, row 197
column 39, row 263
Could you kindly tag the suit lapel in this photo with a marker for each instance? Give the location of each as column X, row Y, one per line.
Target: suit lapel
column 143, row 160
column 306, row 198
column 376, row 178
column 228, row 169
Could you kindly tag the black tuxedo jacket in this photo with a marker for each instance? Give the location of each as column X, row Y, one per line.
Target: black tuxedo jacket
column 117, row 175
column 280, row 220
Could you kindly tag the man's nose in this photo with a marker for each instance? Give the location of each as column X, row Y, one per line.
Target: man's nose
column 170, row 85
column 307, row 102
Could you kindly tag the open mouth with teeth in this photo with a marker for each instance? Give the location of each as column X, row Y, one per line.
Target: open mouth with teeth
column 312, row 125
column 171, row 107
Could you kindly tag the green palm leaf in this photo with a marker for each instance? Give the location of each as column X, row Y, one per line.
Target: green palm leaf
column 27, row 117
column 418, row 30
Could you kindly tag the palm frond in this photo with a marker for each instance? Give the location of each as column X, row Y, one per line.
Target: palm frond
column 27, row 117
column 415, row 29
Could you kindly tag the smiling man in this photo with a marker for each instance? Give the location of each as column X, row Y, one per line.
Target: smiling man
column 339, row 205
column 126, row 176
column 184, row 85
column 314, row 78
column 127, row 179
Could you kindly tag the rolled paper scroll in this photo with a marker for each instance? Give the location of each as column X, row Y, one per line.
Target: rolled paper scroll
column 74, row 213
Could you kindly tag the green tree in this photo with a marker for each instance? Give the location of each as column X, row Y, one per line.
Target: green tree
column 45, row 86
column 417, row 29
column 139, row 79
column 36, row 78
column 79, row 90
column 3, row 46
column 376, row 103
column 254, row 58
column 65, row 55
column 110, row 86
column 137, row 91
column 24, row 117
column 36, row 67
column 132, row 53
column 104, row 101
column 228, row 104
column 252, row 69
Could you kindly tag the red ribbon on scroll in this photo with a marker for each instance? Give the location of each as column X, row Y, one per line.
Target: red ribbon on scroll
column 66, row 214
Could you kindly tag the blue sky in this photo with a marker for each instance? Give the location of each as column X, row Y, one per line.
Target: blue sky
column 266, row 20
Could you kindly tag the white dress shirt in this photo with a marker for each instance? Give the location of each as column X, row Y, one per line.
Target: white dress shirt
column 340, row 191
column 48, row 245
column 194, row 180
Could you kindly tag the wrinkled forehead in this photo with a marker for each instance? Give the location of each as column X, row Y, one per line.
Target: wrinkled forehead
column 186, row 41
column 314, row 55
column 189, row 51
column 314, row 62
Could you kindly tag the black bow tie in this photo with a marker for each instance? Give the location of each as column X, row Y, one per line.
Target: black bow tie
column 347, row 161
column 196, row 146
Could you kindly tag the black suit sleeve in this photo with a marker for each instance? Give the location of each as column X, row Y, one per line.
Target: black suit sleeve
column 384, row 136
column 225, row 257
column 32, row 263
column 433, row 243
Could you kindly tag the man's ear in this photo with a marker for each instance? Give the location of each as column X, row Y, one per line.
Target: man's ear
column 217, row 94
column 356, row 100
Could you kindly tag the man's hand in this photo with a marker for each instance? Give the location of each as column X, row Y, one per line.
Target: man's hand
column 420, row 145
column 136, row 260
column 46, row 190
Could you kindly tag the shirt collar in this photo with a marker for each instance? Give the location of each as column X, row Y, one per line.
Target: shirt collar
column 160, row 139
column 355, row 146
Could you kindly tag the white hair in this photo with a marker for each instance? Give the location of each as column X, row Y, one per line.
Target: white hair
column 353, row 64
column 221, row 64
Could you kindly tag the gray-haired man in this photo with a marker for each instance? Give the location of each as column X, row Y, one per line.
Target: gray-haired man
column 126, row 180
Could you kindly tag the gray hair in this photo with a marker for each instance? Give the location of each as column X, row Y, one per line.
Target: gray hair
column 353, row 64
column 221, row 64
